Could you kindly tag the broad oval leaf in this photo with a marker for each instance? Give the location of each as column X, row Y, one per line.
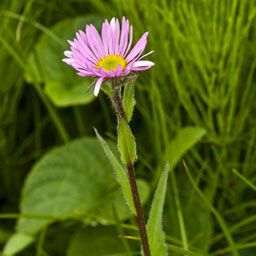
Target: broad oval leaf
column 62, row 85
column 96, row 241
column 185, row 139
column 73, row 181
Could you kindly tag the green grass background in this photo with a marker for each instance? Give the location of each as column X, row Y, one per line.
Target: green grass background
column 205, row 55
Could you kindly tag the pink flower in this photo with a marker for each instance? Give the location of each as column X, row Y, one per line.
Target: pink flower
column 107, row 56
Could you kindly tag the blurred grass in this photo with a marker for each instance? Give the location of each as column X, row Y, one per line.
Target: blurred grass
column 204, row 76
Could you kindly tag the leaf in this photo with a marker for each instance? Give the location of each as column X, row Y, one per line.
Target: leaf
column 62, row 85
column 186, row 138
column 16, row 243
column 121, row 174
column 245, row 180
column 128, row 100
column 64, row 96
column 195, row 216
column 72, row 181
column 211, row 207
column 5, row 234
column 105, row 212
column 95, row 241
column 126, row 142
column 156, row 235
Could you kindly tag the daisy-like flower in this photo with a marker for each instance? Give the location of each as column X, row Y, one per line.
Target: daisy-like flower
column 108, row 56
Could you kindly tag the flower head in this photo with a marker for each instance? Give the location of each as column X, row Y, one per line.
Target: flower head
column 109, row 55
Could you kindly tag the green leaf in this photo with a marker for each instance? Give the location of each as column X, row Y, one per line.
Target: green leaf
column 72, row 181
column 105, row 212
column 156, row 235
column 198, row 224
column 96, row 241
column 214, row 211
column 194, row 213
column 126, row 142
column 245, row 180
column 16, row 243
column 62, row 85
column 65, row 95
column 186, row 138
column 5, row 234
column 128, row 100
column 121, row 173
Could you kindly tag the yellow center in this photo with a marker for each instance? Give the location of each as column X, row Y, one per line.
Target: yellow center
column 111, row 62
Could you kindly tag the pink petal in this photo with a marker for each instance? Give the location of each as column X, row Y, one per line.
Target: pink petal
column 102, row 72
column 82, row 47
column 124, row 36
column 111, row 73
column 68, row 61
column 126, row 71
column 90, row 37
column 81, row 58
column 68, row 54
column 71, row 42
column 113, row 23
column 138, row 48
column 98, row 86
column 109, row 38
column 104, row 35
column 97, row 40
column 81, row 36
column 130, row 41
column 85, row 73
column 119, row 70
column 142, row 65
column 113, row 33
column 117, row 35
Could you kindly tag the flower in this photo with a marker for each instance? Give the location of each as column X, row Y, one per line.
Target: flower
column 108, row 56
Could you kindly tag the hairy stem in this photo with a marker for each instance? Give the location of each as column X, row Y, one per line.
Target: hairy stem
column 140, row 216
column 118, row 106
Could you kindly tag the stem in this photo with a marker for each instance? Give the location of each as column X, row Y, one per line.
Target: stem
column 140, row 215
column 118, row 105
column 120, row 112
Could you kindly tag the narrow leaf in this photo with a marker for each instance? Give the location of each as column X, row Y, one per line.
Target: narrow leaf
column 126, row 142
column 128, row 100
column 156, row 235
column 120, row 172
column 17, row 243
column 219, row 218
column 249, row 183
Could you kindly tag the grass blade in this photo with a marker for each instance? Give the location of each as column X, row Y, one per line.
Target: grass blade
column 154, row 226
